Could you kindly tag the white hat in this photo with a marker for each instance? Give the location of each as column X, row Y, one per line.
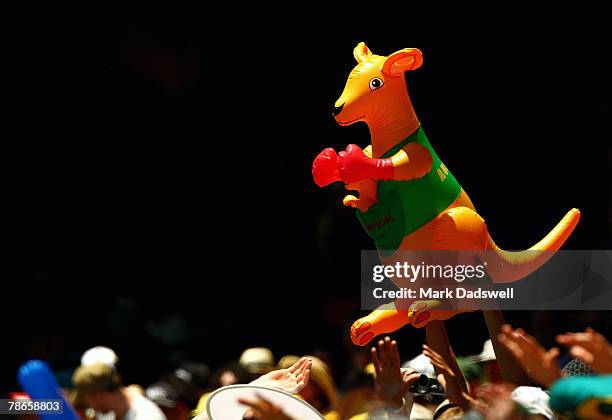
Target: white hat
column 257, row 360
column 421, row 364
column 486, row 355
column 223, row 403
column 100, row 354
column 534, row 400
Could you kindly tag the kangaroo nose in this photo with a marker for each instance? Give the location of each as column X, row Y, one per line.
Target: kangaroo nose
column 337, row 109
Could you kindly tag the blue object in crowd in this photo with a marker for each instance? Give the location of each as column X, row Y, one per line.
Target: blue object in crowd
column 38, row 382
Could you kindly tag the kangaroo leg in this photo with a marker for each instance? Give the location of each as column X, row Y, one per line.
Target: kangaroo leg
column 391, row 317
column 459, row 228
column 382, row 320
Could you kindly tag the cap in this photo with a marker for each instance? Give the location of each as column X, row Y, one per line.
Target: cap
column 223, row 403
column 257, row 360
column 486, row 355
column 163, row 394
column 422, row 365
column 99, row 354
column 534, row 400
column 570, row 395
column 577, row 367
column 197, row 374
column 472, row 371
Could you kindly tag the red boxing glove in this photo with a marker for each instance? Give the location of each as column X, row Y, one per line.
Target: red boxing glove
column 355, row 166
column 325, row 168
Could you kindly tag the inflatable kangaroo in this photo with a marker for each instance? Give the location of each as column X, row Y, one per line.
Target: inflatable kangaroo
column 407, row 199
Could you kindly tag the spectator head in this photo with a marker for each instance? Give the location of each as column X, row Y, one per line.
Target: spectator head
column 487, row 359
column 583, row 397
column 473, row 372
column 486, row 355
column 95, row 384
column 229, row 375
column 196, row 374
column 100, row 354
column 446, row 411
column 257, row 360
column 422, row 365
column 171, row 399
column 185, row 385
column 533, row 400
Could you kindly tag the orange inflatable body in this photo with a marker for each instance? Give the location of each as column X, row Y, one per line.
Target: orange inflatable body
column 406, row 198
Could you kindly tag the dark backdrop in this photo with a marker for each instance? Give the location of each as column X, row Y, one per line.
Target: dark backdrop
column 160, row 167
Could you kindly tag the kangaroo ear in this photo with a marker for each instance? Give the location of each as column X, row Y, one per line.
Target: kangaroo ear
column 361, row 52
column 401, row 61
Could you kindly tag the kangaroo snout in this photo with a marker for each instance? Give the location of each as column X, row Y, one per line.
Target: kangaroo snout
column 337, row 109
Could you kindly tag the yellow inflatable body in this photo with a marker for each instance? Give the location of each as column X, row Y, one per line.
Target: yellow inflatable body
column 407, row 199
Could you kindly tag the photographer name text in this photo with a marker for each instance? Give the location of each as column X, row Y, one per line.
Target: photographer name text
column 447, row 293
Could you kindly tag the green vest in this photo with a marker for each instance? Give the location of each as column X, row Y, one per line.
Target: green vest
column 405, row 206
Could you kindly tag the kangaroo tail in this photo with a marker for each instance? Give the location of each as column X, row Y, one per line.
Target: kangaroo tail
column 508, row 266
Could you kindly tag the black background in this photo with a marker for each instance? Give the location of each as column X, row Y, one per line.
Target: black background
column 165, row 162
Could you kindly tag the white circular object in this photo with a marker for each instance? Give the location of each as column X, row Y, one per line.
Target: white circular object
column 223, row 403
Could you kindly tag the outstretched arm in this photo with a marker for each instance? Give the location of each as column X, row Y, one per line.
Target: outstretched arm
column 591, row 347
column 510, row 369
column 391, row 383
column 539, row 363
column 454, row 385
column 355, row 164
column 292, row 379
column 437, row 339
column 413, row 161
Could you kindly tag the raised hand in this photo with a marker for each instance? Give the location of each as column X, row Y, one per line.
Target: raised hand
column 538, row 363
column 391, row 384
column 591, row 347
column 497, row 402
column 292, row 379
column 450, row 381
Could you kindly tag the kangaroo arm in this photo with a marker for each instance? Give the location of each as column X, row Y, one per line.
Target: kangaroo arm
column 354, row 164
column 412, row 162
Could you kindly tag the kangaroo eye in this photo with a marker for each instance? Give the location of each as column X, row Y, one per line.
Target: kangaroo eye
column 376, row 83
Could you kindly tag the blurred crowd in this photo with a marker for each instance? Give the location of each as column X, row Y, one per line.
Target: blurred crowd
column 514, row 377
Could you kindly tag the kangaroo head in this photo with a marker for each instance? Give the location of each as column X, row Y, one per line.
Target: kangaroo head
column 376, row 86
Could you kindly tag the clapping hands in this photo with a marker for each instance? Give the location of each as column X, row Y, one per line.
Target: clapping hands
column 538, row 363
column 591, row 347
